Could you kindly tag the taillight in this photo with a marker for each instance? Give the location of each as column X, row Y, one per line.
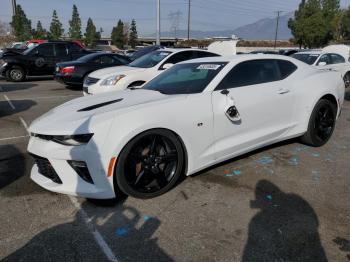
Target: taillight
column 67, row 70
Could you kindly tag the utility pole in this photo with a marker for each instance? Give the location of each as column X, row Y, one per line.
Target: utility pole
column 158, row 22
column 189, row 20
column 13, row 7
column 277, row 24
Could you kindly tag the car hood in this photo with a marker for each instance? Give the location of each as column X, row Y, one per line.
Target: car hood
column 79, row 115
column 104, row 73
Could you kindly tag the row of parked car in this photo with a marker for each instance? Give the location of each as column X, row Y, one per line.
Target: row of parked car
column 98, row 72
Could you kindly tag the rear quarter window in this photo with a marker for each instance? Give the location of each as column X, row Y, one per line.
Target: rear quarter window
column 286, row 68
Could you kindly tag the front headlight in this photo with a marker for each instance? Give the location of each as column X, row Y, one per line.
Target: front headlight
column 74, row 140
column 113, row 80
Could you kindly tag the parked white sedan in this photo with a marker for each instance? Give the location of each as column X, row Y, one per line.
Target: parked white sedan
column 333, row 58
column 139, row 71
column 194, row 115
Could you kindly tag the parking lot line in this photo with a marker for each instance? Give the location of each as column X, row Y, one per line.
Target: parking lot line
column 11, row 138
column 97, row 235
column 10, row 103
column 46, row 97
column 24, row 124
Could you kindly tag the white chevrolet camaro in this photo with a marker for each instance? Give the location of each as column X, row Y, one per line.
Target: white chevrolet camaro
column 139, row 71
column 194, row 115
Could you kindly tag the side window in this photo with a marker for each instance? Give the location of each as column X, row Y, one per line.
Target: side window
column 205, row 54
column 45, row 50
column 325, row 59
column 107, row 60
column 251, row 73
column 121, row 60
column 286, row 68
column 73, row 47
column 337, row 59
column 180, row 57
column 61, row 50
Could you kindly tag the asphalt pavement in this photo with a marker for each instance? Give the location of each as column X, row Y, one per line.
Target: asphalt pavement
column 287, row 202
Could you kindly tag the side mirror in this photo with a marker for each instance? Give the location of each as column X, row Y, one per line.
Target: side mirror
column 322, row 64
column 167, row 66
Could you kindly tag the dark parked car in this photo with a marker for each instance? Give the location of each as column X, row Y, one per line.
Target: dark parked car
column 73, row 73
column 39, row 60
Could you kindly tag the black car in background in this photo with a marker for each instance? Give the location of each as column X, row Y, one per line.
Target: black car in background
column 73, row 73
column 39, row 60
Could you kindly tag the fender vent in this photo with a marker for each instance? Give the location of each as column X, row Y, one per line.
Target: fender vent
column 89, row 108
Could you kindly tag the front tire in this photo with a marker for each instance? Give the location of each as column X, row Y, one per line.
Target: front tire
column 16, row 74
column 150, row 164
column 347, row 80
column 321, row 124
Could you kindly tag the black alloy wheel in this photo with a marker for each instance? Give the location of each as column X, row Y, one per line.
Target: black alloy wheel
column 150, row 164
column 322, row 124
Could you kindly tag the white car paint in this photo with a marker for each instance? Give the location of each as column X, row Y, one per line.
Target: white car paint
column 132, row 74
column 269, row 113
column 342, row 50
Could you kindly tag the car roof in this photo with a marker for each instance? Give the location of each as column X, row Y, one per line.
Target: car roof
column 311, row 52
column 176, row 50
column 244, row 57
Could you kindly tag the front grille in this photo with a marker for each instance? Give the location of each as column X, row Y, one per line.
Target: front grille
column 44, row 137
column 45, row 168
column 91, row 81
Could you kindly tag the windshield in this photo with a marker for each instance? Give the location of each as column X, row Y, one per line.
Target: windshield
column 186, row 78
column 143, row 51
column 306, row 58
column 150, row 60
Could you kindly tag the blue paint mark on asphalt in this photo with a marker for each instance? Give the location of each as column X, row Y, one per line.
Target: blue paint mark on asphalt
column 294, row 161
column 300, row 148
column 316, row 154
column 265, row 160
column 234, row 173
column 269, row 197
column 122, row 231
column 145, row 218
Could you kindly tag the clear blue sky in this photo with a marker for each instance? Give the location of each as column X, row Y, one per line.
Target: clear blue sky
column 206, row 14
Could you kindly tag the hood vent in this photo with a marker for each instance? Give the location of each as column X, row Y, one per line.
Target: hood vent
column 90, row 108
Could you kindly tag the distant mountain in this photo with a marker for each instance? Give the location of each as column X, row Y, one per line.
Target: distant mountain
column 263, row 29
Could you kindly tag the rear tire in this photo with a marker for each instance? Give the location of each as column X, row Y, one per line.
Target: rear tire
column 321, row 124
column 347, row 80
column 15, row 74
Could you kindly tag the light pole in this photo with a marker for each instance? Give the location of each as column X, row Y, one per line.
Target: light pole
column 189, row 20
column 158, row 23
column 277, row 23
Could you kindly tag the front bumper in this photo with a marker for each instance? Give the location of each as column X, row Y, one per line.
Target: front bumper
column 3, row 69
column 71, row 183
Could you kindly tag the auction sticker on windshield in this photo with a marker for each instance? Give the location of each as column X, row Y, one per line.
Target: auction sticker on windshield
column 208, row 67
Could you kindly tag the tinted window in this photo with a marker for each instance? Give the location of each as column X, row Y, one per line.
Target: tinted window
column 205, row 54
column 337, row 59
column 180, row 57
column 251, row 73
column 45, row 50
column 73, row 47
column 310, row 59
column 324, row 59
column 107, row 60
column 286, row 68
column 61, row 50
column 185, row 78
column 122, row 60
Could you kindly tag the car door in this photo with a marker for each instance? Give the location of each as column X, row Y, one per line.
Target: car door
column 253, row 105
column 43, row 60
column 338, row 63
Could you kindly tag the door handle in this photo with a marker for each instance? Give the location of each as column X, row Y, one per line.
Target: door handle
column 283, row 91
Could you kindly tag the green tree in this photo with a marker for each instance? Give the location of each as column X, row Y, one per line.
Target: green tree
column 332, row 16
column 21, row 25
column 118, row 35
column 56, row 29
column 39, row 32
column 345, row 24
column 91, row 35
column 75, row 25
column 133, row 36
column 308, row 26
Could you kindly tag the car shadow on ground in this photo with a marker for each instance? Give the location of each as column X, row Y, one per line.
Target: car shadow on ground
column 65, row 242
column 284, row 229
column 10, row 87
column 20, row 106
column 12, row 165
